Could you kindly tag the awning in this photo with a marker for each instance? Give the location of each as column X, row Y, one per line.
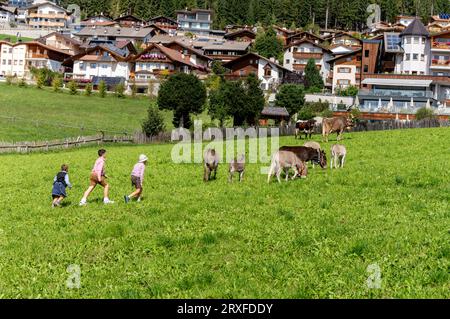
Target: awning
column 397, row 82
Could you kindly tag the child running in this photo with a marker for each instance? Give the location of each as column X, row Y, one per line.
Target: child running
column 60, row 182
column 98, row 176
column 137, row 178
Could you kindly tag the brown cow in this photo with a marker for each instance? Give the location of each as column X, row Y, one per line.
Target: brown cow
column 307, row 127
column 335, row 124
column 283, row 161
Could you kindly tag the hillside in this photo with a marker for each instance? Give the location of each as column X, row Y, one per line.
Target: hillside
column 313, row 238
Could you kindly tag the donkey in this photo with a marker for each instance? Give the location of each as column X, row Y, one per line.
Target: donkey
column 211, row 162
column 284, row 160
column 237, row 165
column 338, row 152
column 306, row 154
column 315, row 146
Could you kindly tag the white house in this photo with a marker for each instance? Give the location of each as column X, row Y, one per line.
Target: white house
column 7, row 16
column 297, row 54
column 415, row 41
column 12, row 59
column 104, row 60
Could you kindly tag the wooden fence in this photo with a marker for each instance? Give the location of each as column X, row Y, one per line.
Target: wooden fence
column 27, row 147
column 165, row 137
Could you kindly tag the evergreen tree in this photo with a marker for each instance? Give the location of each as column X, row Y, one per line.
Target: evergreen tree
column 154, row 123
column 102, row 88
column 88, row 89
column 313, row 79
column 73, row 87
column 291, row 97
column 268, row 45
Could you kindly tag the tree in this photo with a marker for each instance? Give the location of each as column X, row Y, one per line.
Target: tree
column 234, row 99
column 56, row 84
column 217, row 68
column 88, row 89
column 313, row 79
column 73, row 87
column 183, row 94
column 254, row 99
column 424, row 113
column 268, row 44
column 102, row 88
column 217, row 107
column 291, row 97
column 154, row 124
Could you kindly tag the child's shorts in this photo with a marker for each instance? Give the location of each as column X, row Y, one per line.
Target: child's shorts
column 93, row 180
column 136, row 181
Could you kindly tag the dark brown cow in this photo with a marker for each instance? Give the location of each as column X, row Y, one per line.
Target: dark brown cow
column 335, row 124
column 306, row 154
column 307, row 127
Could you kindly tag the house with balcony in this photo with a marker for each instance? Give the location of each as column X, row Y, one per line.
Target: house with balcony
column 345, row 40
column 19, row 58
column 225, row 51
column 346, row 70
column 196, row 21
column 61, row 42
column 440, row 54
column 442, row 19
column 297, row 55
column 48, row 15
column 101, row 62
column 196, row 57
column 297, row 36
column 98, row 20
column 242, row 35
column 168, row 24
column 136, row 35
column 269, row 72
column 157, row 61
column 129, row 21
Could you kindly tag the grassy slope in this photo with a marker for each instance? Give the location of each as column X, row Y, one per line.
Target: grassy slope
column 110, row 114
column 13, row 38
column 303, row 239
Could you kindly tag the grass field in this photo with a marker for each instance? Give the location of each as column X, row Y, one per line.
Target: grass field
column 13, row 38
column 312, row 238
column 44, row 110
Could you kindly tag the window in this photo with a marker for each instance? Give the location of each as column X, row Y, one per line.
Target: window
column 4, row 62
column 344, row 70
column 422, row 57
column 408, row 40
column 93, row 65
column 366, row 53
column 343, row 82
column 415, row 57
column 288, row 61
column 366, row 68
column 416, row 40
column 268, row 72
column 407, row 56
column 358, row 70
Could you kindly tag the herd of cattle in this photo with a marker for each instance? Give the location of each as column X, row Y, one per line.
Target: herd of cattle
column 292, row 157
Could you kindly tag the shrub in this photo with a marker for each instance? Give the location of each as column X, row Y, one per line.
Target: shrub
column 73, row 87
column 22, row 83
column 102, row 88
column 327, row 113
column 88, row 89
column 424, row 113
column 154, row 124
column 9, row 79
column 40, row 80
column 120, row 90
column 56, row 84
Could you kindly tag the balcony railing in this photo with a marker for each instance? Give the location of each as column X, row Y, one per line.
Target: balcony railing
column 441, row 45
column 48, row 15
column 397, row 93
column 445, row 63
column 307, row 55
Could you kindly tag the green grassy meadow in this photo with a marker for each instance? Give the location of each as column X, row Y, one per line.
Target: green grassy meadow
column 13, row 38
column 312, row 238
column 42, row 112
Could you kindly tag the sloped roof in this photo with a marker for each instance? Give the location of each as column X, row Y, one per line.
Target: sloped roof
column 187, row 47
column 160, row 16
column 58, row 34
column 295, row 43
column 275, row 112
column 173, row 55
column 250, row 54
column 238, row 32
column 416, row 27
column 115, row 31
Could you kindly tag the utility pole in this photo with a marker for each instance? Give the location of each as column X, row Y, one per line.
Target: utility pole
column 326, row 17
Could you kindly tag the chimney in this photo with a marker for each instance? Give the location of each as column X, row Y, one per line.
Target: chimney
column 272, row 60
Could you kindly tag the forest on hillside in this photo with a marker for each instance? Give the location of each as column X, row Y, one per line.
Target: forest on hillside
column 343, row 14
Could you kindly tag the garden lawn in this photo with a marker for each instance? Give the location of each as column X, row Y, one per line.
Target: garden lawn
column 42, row 112
column 13, row 38
column 313, row 238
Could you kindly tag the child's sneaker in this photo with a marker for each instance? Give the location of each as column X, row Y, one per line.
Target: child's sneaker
column 139, row 200
column 82, row 203
column 127, row 199
column 107, row 201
